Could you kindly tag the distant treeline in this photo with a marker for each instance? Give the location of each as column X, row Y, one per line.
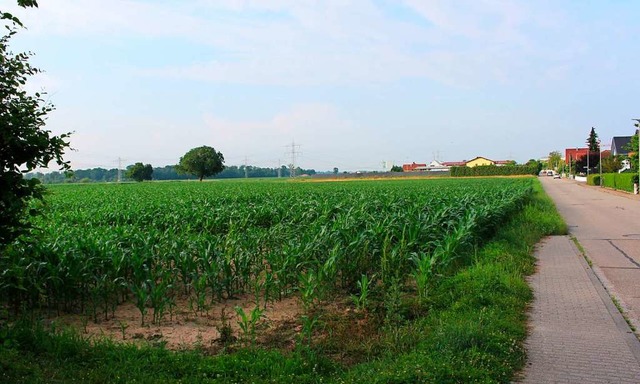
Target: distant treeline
column 160, row 173
column 493, row 170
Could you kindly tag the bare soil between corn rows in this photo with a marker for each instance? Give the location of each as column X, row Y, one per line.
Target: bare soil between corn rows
column 187, row 329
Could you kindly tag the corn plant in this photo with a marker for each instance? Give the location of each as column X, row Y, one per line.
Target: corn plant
column 102, row 245
column 362, row 299
column 425, row 265
column 248, row 323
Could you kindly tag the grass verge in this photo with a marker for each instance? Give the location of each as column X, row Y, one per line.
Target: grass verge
column 474, row 331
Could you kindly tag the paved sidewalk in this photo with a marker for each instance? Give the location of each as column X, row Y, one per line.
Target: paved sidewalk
column 577, row 335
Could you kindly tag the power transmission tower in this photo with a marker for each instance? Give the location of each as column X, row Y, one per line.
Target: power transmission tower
column 279, row 168
column 293, row 153
column 246, row 171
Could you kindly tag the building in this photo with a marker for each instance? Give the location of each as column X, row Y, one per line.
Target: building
column 619, row 145
column 434, row 166
column 413, row 167
column 479, row 161
column 573, row 154
column 450, row 164
column 440, row 166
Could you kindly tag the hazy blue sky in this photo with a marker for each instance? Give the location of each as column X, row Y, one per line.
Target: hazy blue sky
column 355, row 83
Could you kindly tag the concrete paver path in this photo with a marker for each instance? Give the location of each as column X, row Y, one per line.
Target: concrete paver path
column 577, row 334
column 607, row 226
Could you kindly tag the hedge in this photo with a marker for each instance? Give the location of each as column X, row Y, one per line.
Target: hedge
column 493, row 170
column 622, row 181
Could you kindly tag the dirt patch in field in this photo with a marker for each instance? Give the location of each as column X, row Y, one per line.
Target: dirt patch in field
column 187, row 329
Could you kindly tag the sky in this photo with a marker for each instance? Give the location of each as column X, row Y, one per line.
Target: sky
column 358, row 85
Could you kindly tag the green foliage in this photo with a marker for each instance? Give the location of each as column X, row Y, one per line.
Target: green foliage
column 473, row 332
column 167, row 172
column 477, row 325
column 592, row 141
column 139, row 172
column 535, row 164
column 32, row 354
column 25, row 144
column 623, row 181
column 633, row 150
column 248, row 323
column 201, row 162
column 396, row 168
column 14, row 20
column 555, row 160
column 493, row 170
column 103, row 242
column 361, row 300
column 611, row 164
column 594, row 180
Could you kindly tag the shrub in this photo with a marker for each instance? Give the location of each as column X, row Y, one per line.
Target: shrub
column 621, row 181
column 593, row 180
column 493, row 170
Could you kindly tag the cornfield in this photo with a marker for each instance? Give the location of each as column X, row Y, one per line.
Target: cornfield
column 100, row 245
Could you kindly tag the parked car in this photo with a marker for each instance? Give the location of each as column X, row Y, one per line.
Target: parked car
column 549, row 173
column 556, row 176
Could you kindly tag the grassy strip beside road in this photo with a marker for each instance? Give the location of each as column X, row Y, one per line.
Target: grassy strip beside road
column 473, row 332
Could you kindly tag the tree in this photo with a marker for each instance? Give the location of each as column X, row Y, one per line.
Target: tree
column 335, row 170
column 555, row 158
column 592, row 141
column 592, row 159
column 633, row 149
column 396, row 168
column 611, row 164
column 139, row 172
column 24, row 143
column 533, row 163
column 202, row 162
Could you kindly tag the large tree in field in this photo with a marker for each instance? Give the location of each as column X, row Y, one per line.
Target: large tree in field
column 139, row 172
column 201, row 162
column 24, row 143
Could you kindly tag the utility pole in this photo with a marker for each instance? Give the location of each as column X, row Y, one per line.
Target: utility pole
column 293, row 153
column 279, row 169
column 246, row 171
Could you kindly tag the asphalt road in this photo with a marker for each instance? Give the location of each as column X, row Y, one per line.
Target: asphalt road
column 607, row 226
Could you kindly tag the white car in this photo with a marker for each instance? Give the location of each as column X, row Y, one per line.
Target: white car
column 556, row 176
